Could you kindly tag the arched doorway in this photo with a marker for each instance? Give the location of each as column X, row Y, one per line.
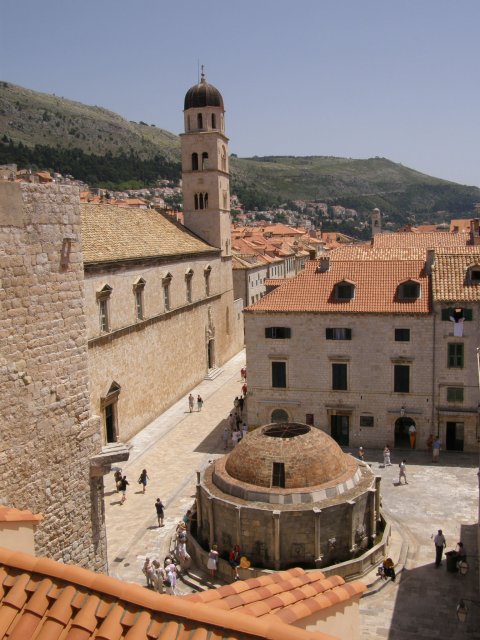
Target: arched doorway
column 211, row 353
column 110, row 413
column 279, row 415
column 402, row 440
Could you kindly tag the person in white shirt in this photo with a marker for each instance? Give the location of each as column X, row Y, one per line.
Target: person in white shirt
column 440, row 544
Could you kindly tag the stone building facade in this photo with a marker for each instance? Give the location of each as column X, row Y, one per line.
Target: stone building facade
column 364, row 344
column 48, row 434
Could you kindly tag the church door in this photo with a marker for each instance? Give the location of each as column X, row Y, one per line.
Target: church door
column 402, row 439
column 211, row 354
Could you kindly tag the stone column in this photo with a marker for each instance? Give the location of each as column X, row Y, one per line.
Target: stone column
column 276, row 539
column 373, row 514
column 198, row 493
column 238, row 521
column 353, row 546
column 211, row 523
column 318, row 546
column 378, row 480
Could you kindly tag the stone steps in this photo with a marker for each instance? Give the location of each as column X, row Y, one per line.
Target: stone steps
column 213, row 373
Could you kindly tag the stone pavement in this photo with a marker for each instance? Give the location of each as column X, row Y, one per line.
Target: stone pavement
column 421, row 604
column 172, row 448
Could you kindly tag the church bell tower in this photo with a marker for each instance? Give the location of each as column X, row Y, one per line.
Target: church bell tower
column 205, row 171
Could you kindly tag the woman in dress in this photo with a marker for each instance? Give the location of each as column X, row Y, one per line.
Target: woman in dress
column 213, row 561
column 143, row 480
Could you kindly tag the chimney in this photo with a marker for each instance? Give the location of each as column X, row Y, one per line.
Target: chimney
column 430, row 261
column 323, row 265
column 475, row 232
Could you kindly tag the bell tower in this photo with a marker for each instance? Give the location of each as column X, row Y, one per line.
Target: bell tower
column 205, row 171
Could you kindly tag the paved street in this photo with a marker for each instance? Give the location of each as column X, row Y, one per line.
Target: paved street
column 421, row 604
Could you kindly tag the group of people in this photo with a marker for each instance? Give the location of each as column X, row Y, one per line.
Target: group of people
column 459, row 553
column 234, row 431
column 121, row 483
column 233, row 561
column 191, row 402
column 161, row 579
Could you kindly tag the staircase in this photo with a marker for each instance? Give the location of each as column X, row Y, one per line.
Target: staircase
column 213, row 373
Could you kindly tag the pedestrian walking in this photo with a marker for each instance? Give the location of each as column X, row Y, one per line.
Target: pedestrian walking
column 225, row 437
column 236, row 404
column 386, row 456
column 149, row 572
column 170, row 581
column 436, row 447
column 234, row 561
column 241, row 402
column 244, row 389
column 440, row 544
column 158, row 576
column 159, row 506
column 429, row 443
column 213, row 561
column 402, row 472
column 361, row 453
column 232, row 423
column 123, row 488
column 191, row 402
column 244, row 430
column 118, row 479
column 412, row 433
column 143, row 480
column 243, row 373
column 199, row 403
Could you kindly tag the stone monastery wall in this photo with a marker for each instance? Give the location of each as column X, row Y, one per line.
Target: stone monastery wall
column 47, row 433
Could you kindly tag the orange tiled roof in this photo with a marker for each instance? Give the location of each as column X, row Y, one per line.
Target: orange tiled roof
column 286, row 595
column 449, row 281
column 41, row 598
column 375, row 282
column 111, row 233
column 460, row 225
column 408, row 239
column 9, row 514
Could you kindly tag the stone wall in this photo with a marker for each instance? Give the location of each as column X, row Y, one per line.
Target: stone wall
column 47, row 431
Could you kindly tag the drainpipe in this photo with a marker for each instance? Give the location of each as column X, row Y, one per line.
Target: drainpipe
column 434, row 398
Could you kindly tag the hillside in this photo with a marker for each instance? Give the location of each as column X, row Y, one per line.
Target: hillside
column 101, row 147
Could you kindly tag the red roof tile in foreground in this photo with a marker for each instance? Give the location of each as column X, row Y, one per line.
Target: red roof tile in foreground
column 47, row 600
column 9, row 514
column 376, row 284
column 286, row 595
column 450, row 281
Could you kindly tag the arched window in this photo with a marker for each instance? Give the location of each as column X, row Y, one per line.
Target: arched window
column 205, row 200
column 194, row 161
column 188, row 283
column 188, row 123
column 200, row 200
column 195, row 197
column 207, row 273
column 279, row 415
column 409, row 290
column 204, row 161
column 199, row 121
column 344, row 290
column 225, row 200
column 224, row 159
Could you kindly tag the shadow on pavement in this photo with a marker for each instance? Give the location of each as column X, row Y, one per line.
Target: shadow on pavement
column 428, row 596
column 213, row 443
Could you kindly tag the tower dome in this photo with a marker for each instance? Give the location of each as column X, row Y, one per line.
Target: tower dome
column 202, row 95
column 309, row 457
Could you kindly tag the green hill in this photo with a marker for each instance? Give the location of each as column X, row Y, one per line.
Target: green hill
column 101, row 147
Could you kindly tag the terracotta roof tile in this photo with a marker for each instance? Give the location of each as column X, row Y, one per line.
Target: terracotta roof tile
column 376, row 283
column 111, row 233
column 47, row 600
column 450, row 280
column 408, row 239
column 9, row 514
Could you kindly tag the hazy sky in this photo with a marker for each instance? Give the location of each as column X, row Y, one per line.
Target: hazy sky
column 354, row 78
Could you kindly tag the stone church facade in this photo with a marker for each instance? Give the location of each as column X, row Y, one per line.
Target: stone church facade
column 159, row 295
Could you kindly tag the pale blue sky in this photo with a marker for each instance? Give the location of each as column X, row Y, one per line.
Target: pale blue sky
column 354, row 78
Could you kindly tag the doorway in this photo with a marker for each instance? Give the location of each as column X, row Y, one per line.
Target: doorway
column 110, row 423
column 454, row 439
column 402, row 439
column 340, row 429
column 211, row 353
